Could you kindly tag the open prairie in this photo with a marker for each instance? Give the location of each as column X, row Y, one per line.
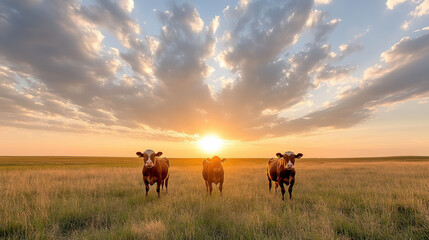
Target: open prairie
column 104, row 198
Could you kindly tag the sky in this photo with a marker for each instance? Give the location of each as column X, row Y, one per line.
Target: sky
column 326, row 78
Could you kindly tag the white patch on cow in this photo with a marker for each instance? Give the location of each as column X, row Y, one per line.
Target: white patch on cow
column 289, row 164
column 149, row 152
column 288, row 153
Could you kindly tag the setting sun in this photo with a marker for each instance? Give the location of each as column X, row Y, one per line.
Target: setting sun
column 210, row 144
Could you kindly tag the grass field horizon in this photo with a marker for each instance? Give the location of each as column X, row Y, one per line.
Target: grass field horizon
column 61, row 161
column 103, row 198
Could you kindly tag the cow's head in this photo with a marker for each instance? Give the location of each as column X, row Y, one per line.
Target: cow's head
column 206, row 161
column 149, row 157
column 289, row 158
column 216, row 163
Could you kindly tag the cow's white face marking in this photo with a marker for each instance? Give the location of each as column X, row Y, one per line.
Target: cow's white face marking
column 149, row 161
column 288, row 153
column 289, row 165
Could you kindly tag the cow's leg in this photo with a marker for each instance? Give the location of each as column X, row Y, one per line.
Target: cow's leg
column 269, row 184
column 162, row 185
column 220, row 187
column 158, row 186
column 210, row 187
column 282, row 188
column 147, row 187
column 166, row 184
column 277, row 185
column 292, row 182
column 207, row 186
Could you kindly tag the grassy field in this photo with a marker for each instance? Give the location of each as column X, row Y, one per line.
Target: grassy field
column 103, row 198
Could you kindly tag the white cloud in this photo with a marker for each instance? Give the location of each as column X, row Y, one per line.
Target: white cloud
column 127, row 5
column 421, row 9
column 322, row 2
column 406, row 24
column 391, row 4
column 422, row 29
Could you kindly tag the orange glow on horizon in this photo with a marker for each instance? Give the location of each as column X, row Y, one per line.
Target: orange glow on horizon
column 211, row 144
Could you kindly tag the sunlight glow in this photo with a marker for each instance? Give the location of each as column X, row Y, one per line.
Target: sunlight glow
column 210, row 144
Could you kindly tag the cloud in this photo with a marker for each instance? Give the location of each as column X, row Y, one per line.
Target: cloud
column 180, row 68
column 68, row 60
column 391, row 4
column 329, row 73
column 421, row 9
column 422, row 29
column 260, row 33
column 266, row 81
column 349, row 48
column 405, row 78
column 406, row 50
column 57, row 51
column 56, row 72
column 115, row 17
column 322, row 2
column 406, row 24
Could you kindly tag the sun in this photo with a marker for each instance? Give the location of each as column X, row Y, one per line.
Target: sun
column 210, row 144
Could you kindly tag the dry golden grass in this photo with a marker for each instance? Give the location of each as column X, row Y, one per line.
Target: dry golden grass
column 384, row 198
column 153, row 229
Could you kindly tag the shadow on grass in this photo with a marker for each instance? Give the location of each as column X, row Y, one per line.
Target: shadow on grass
column 12, row 230
column 409, row 220
column 80, row 221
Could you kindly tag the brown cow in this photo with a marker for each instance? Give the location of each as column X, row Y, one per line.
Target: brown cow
column 282, row 170
column 213, row 173
column 155, row 170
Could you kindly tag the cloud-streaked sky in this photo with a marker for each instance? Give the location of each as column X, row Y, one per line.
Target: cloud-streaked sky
column 104, row 77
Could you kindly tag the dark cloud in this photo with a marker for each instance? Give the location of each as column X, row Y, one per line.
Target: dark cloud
column 48, row 41
column 347, row 49
column 266, row 80
column 332, row 73
column 115, row 16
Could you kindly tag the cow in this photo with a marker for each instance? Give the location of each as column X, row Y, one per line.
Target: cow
column 213, row 173
column 155, row 170
column 282, row 171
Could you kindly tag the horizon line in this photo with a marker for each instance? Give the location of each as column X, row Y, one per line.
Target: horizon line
column 82, row 156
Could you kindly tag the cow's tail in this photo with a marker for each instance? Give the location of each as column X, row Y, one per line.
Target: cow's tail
column 268, row 167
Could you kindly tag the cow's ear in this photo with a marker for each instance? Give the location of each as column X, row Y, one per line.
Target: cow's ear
column 223, row 160
column 299, row 155
column 139, row 154
column 158, row 154
column 279, row 155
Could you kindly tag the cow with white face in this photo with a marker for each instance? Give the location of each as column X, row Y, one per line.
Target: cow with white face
column 282, row 171
column 155, row 170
